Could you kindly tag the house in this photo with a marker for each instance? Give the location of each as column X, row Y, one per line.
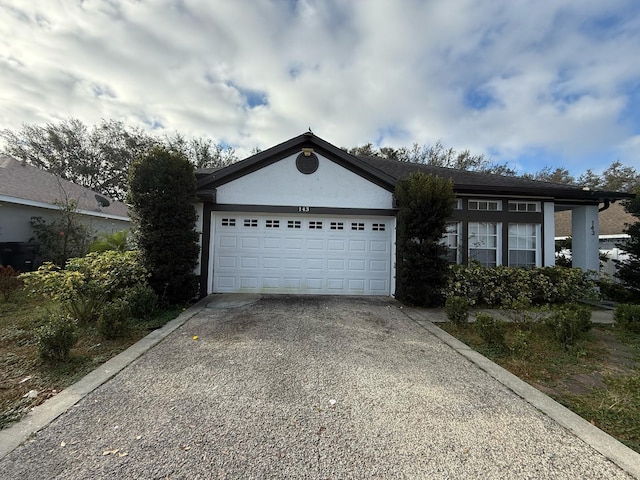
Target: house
column 27, row 191
column 307, row 217
column 613, row 221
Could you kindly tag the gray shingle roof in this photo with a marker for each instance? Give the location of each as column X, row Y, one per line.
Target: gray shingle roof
column 22, row 181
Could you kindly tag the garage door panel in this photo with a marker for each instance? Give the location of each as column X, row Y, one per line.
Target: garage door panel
column 228, row 242
column 378, row 266
column 270, row 242
column 250, row 242
column 271, row 262
column 307, row 254
column 357, row 265
column 357, row 245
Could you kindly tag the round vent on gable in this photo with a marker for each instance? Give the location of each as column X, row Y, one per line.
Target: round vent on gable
column 307, row 162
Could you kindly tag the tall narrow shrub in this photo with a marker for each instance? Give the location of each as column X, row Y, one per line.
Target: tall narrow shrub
column 425, row 202
column 162, row 192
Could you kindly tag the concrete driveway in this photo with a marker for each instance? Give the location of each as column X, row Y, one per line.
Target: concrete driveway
column 304, row 387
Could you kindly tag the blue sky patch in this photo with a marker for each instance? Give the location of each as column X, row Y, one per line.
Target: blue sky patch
column 478, row 98
column 252, row 98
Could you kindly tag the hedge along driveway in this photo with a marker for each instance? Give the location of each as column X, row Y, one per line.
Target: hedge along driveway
column 319, row 387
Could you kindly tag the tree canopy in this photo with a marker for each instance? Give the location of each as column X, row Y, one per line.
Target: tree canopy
column 99, row 157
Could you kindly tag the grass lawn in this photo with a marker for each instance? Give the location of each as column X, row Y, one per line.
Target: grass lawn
column 21, row 369
column 598, row 378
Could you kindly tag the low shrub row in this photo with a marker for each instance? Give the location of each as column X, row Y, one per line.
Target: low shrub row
column 502, row 286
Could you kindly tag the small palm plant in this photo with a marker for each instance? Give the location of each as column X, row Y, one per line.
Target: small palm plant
column 110, row 241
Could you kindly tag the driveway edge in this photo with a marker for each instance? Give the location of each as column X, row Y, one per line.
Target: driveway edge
column 44, row 414
column 624, row 457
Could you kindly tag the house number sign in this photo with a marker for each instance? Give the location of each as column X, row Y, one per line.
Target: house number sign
column 304, row 209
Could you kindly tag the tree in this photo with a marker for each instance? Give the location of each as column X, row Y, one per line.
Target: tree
column 99, row 157
column 425, row 202
column 203, row 153
column 629, row 270
column 162, row 192
column 559, row 175
column 435, row 155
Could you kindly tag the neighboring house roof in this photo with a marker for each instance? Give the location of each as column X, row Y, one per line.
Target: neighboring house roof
column 386, row 172
column 28, row 185
column 613, row 221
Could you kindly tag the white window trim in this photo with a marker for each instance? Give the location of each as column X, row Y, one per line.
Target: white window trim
column 498, row 247
column 538, row 236
column 497, row 202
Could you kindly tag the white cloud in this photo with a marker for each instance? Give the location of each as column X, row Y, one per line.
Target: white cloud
column 509, row 77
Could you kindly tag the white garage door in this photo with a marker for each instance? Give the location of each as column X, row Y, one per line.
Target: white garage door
column 301, row 254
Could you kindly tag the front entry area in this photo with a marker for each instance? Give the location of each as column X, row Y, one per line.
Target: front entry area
column 301, row 254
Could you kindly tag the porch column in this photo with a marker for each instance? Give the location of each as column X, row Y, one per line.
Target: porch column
column 549, row 233
column 585, row 231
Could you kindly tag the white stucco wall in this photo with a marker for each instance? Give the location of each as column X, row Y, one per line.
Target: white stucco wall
column 15, row 222
column 585, row 231
column 282, row 184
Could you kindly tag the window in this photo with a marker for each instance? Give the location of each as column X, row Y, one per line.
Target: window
column 272, row 224
column 451, row 239
column 250, row 222
column 458, row 204
column 357, row 226
column 524, row 206
column 484, row 242
column 378, row 227
column 523, row 244
column 337, row 226
column 294, row 224
column 485, row 205
column 315, row 225
column 228, row 222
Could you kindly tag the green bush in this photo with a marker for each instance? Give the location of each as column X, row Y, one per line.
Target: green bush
column 569, row 324
column 627, row 317
column 115, row 319
column 56, row 337
column 491, row 330
column 9, row 282
column 502, row 286
column 142, row 301
column 162, row 192
column 425, row 202
column 457, row 310
column 87, row 283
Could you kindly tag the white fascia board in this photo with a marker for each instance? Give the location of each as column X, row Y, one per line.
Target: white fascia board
column 32, row 203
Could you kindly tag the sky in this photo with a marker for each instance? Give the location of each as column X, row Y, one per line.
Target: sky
column 529, row 83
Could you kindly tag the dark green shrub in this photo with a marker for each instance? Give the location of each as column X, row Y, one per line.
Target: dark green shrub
column 56, row 337
column 627, row 317
column 502, row 286
column 569, row 324
column 9, row 282
column 142, row 301
column 491, row 330
column 457, row 310
column 162, row 193
column 115, row 319
column 614, row 290
column 425, row 202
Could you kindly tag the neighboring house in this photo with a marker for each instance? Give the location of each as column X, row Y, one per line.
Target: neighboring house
column 27, row 191
column 307, row 217
column 613, row 221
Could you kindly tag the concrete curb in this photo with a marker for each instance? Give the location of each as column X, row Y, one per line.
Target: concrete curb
column 43, row 415
column 617, row 452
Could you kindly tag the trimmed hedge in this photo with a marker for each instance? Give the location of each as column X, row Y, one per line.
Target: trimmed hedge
column 501, row 286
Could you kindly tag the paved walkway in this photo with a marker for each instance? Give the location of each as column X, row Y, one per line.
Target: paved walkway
column 314, row 387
